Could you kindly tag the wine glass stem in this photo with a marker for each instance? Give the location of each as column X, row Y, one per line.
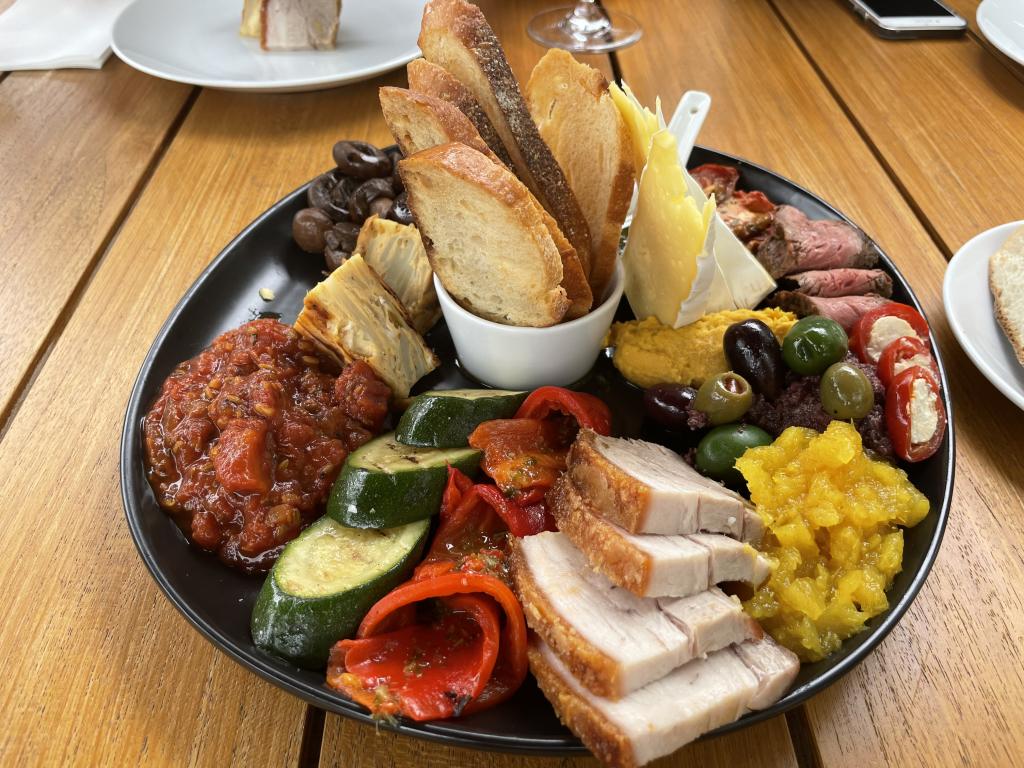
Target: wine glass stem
column 587, row 20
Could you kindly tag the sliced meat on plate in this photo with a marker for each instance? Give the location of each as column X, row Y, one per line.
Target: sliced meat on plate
column 796, row 243
column 646, row 488
column 651, row 565
column 844, row 281
column 747, row 214
column 719, row 180
column 845, row 310
column 612, row 640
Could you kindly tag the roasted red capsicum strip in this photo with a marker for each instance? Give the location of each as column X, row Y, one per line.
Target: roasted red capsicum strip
column 913, row 400
column 882, row 325
column 459, row 661
column 425, row 672
column 524, row 456
column 905, row 352
column 588, row 410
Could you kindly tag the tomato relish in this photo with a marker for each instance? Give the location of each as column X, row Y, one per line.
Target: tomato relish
column 245, row 439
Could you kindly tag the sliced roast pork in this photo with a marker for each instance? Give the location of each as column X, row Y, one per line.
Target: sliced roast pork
column 646, row 488
column 844, row 281
column 613, row 641
column 719, row 180
column 297, row 25
column 845, row 310
column 672, row 711
column 796, row 243
column 651, row 565
column 747, row 214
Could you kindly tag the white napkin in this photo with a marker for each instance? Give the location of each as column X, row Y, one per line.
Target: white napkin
column 54, row 34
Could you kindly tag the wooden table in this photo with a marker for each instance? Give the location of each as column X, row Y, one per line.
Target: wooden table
column 119, row 188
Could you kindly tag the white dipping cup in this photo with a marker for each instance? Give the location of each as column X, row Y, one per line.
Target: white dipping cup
column 512, row 357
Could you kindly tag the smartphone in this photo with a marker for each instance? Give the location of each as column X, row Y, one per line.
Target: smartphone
column 909, row 18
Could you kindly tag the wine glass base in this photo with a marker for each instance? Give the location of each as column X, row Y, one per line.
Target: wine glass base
column 559, row 28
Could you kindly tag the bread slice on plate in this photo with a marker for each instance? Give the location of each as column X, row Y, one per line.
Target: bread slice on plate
column 1006, row 280
column 578, row 120
column 485, row 238
column 418, row 121
column 577, row 288
column 456, row 36
column 430, row 79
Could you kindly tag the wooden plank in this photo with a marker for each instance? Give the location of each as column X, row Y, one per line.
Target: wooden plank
column 348, row 744
column 946, row 687
column 107, row 672
column 74, row 147
column 945, row 116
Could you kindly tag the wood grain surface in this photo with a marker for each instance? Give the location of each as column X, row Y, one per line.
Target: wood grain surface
column 348, row 744
column 946, row 117
column 946, row 687
column 74, row 147
column 105, row 671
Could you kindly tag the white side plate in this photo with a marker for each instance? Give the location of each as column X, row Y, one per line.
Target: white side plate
column 968, row 303
column 197, row 42
column 1002, row 22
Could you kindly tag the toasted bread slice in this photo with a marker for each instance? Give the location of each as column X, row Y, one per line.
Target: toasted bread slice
column 652, row 565
column 1006, row 280
column 432, row 80
column 352, row 315
column 456, row 36
column 484, row 236
column 577, row 288
column 419, row 121
column 577, row 118
column 646, row 488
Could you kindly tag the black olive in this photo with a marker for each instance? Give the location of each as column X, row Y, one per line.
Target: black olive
column 360, row 159
column 754, row 353
column 342, row 236
column 670, row 405
column 396, row 179
column 381, row 206
column 359, row 201
column 400, row 210
column 319, row 191
column 308, row 228
column 334, row 259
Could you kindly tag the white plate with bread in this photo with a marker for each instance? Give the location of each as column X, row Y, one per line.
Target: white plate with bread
column 213, row 44
column 983, row 293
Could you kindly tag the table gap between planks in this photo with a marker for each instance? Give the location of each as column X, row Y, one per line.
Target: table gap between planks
column 238, row 154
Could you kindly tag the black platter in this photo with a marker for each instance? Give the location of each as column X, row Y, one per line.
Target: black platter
column 218, row 601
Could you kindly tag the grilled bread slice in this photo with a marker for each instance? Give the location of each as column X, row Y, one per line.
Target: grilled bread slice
column 352, row 315
column 651, row 565
column 577, row 118
column 646, row 488
column 456, row 36
column 432, row 80
column 1006, row 280
column 419, row 121
column 486, row 240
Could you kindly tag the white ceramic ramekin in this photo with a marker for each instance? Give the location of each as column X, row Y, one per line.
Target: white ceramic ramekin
column 510, row 357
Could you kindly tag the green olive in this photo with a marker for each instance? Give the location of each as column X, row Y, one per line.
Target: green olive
column 724, row 397
column 813, row 344
column 718, row 450
column 846, row 392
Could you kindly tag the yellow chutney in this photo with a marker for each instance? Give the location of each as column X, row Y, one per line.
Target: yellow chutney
column 831, row 519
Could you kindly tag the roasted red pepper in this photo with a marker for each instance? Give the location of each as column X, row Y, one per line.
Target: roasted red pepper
column 460, row 659
column 913, row 403
column 588, row 410
column 523, row 455
column 882, row 325
column 905, row 352
column 521, row 520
